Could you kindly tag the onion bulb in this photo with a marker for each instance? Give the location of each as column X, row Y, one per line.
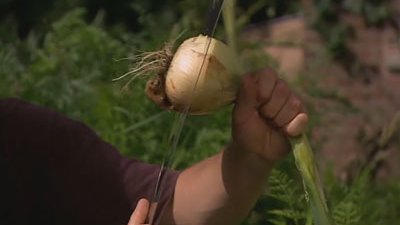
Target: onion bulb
column 187, row 84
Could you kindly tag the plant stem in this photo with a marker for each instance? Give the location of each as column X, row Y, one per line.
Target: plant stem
column 305, row 163
column 230, row 24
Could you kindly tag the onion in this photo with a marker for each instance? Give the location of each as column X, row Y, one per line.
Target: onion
column 183, row 87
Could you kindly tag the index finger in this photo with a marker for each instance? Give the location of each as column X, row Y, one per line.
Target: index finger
column 139, row 216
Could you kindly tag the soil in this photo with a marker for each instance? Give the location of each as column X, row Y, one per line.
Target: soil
column 349, row 110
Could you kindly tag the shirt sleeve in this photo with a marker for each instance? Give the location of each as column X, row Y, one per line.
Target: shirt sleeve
column 58, row 171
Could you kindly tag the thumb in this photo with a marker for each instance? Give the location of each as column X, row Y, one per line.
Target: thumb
column 139, row 216
column 297, row 125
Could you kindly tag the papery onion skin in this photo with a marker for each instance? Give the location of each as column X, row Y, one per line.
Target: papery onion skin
column 186, row 88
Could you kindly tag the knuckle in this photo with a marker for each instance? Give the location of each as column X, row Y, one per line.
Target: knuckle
column 265, row 83
column 262, row 97
column 281, row 87
column 295, row 104
column 245, row 77
column 269, row 72
column 245, row 80
column 266, row 111
column 266, row 72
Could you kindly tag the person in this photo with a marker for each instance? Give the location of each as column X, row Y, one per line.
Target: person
column 57, row 171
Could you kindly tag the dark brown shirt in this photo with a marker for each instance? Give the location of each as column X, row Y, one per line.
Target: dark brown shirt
column 54, row 170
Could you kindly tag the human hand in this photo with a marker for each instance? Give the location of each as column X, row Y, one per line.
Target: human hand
column 140, row 213
column 266, row 112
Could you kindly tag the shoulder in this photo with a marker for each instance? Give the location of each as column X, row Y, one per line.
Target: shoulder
column 7, row 105
column 17, row 111
column 23, row 114
column 38, row 128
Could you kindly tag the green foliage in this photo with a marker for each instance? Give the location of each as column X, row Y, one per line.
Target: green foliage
column 330, row 25
column 348, row 211
column 359, row 202
column 73, row 56
column 11, row 70
column 285, row 190
column 70, row 70
column 374, row 11
column 68, row 66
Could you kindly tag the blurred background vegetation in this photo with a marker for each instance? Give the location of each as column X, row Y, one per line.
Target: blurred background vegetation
column 63, row 54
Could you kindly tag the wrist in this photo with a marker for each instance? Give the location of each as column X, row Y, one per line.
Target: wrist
column 250, row 161
column 256, row 153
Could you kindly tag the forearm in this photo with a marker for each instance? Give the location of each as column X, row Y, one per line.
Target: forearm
column 220, row 190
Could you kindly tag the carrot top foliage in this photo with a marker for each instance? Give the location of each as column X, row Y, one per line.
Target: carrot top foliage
column 68, row 64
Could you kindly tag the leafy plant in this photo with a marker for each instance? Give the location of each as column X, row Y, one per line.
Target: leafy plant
column 285, row 190
column 68, row 66
column 375, row 12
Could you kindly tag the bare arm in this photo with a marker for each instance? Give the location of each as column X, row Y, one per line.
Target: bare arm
column 222, row 189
